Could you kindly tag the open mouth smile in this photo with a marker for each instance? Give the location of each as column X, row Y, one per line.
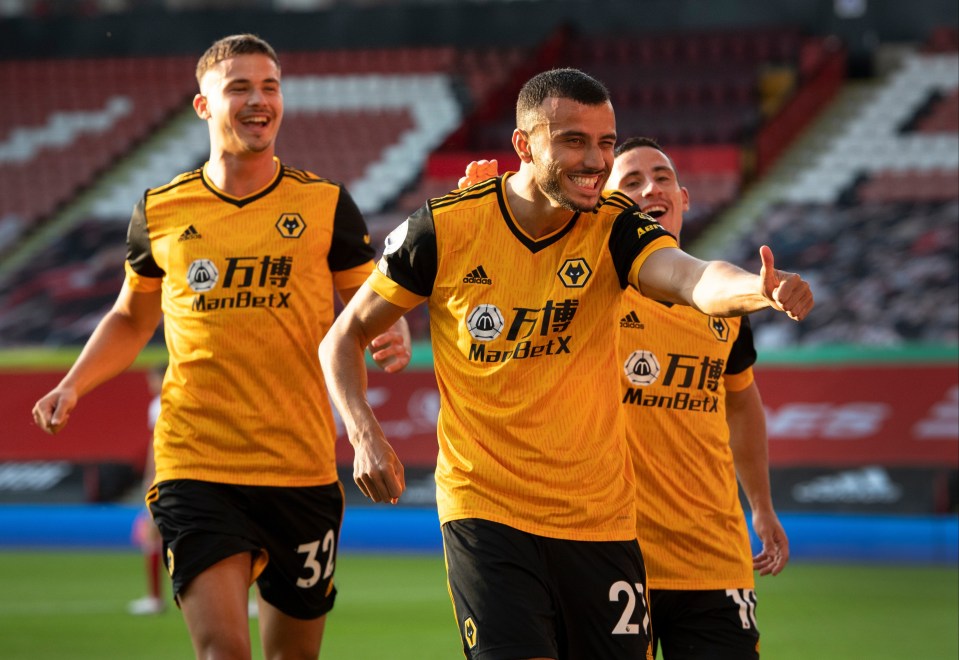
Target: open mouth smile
column 655, row 211
column 585, row 181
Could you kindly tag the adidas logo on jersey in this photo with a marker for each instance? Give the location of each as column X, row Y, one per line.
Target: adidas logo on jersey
column 188, row 234
column 477, row 276
column 631, row 321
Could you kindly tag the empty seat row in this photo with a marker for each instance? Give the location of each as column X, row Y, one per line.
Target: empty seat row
column 765, row 45
column 366, row 60
column 913, row 186
column 943, row 116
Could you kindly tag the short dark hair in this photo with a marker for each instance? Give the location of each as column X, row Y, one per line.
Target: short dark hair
column 567, row 83
column 231, row 46
column 636, row 142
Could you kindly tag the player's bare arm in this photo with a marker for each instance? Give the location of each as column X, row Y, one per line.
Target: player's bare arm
column 392, row 349
column 748, row 442
column 714, row 288
column 377, row 470
column 117, row 340
column 719, row 288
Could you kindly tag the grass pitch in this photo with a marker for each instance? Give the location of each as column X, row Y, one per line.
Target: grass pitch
column 71, row 604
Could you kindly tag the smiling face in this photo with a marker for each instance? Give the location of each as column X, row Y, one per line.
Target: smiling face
column 570, row 147
column 650, row 180
column 240, row 98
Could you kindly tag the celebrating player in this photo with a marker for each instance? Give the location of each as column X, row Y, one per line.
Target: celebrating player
column 241, row 257
column 694, row 414
column 694, row 420
column 535, row 484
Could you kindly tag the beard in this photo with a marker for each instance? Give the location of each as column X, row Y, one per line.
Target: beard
column 550, row 182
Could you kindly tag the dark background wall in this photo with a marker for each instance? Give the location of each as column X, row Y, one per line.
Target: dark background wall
column 155, row 32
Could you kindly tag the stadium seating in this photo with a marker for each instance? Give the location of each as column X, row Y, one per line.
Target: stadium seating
column 942, row 39
column 366, row 117
column 376, row 119
column 60, row 296
column 893, row 187
column 877, row 137
column 942, row 116
column 883, row 273
column 668, row 86
column 72, row 120
column 358, row 116
column 873, row 221
column 665, row 86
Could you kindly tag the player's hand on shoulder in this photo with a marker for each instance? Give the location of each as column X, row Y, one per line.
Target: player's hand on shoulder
column 477, row 171
column 786, row 292
column 52, row 411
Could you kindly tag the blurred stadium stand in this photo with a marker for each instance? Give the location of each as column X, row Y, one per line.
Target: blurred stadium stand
column 396, row 125
column 868, row 208
column 72, row 119
column 832, row 137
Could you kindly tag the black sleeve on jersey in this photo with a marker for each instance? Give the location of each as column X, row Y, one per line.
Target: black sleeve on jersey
column 139, row 248
column 743, row 353
column 632, row 231
column 412, row 265
column 350, row 245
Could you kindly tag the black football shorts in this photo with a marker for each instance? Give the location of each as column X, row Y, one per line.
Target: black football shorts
column 705, row 625
column 293, row 534
column 518, row 595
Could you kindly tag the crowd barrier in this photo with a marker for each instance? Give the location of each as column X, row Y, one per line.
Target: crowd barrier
column 370, row 529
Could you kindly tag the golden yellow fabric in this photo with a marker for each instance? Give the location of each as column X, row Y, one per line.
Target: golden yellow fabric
column 524, row 348
column 248, row 288
column 690, row 523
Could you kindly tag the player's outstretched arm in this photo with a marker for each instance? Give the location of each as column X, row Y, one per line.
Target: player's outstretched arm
column 719, row 288
column 729, row 291
column 377, row 470
column 749, row 444
column 117, row 340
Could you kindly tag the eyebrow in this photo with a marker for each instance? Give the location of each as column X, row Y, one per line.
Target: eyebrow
column 249, row 81
column 582, row 134
column 573, row 131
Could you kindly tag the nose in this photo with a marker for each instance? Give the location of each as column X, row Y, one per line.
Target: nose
column 593, row 159
column 255, row 97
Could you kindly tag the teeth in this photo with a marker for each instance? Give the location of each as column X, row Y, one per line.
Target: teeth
column 585, row 181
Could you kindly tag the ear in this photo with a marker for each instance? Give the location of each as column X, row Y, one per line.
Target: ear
column 200, row 106
column 522, row 146
column 685, row 198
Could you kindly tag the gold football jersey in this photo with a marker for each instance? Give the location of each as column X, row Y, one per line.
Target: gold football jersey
column 676, row 366
column 247, row 289
column 524, row 346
